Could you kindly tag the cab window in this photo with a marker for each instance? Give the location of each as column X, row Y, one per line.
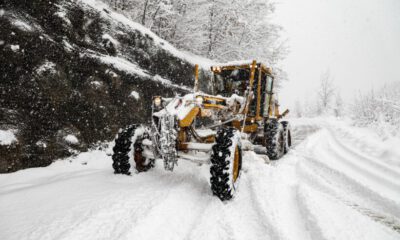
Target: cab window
column 268, row 95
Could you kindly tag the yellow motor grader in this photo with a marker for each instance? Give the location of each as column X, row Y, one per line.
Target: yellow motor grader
column 210, row 128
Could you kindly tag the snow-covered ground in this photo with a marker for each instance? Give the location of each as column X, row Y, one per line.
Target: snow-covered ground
column 338, row 182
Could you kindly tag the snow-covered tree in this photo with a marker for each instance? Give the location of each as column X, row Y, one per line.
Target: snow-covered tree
column 326, row 91
column 223, row 30
column 298, row 109
column 379, row 109
column 338, row 105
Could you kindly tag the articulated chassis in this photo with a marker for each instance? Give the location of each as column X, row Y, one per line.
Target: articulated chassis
column 172, row 136
column 211, row 129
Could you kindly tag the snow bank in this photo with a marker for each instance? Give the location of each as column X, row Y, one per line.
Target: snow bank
column 71, row 139
column 96, row 84
column 111, row 39
column 7, row 137
column 238, row 62
column 122, row 64
column 62, row 13
column 67, row 45
column 22, row 25
column 41, row 144
column 15, row 48
column 135, row 95
column 203, row 62
column 47, row 66
column 130, row 67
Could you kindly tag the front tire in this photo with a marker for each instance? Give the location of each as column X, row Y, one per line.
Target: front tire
column 226, row 163
column 128, row 149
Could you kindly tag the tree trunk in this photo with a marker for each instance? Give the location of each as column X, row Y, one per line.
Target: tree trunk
column 145, row 12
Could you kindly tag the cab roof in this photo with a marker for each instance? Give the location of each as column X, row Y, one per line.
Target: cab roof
column 246, row 64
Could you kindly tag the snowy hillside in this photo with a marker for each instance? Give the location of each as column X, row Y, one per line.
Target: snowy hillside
column 68, row 70
column 338, row 182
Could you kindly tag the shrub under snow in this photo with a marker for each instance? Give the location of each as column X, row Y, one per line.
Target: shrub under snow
column 71, row 139
column 379, row 109
column 7, row 137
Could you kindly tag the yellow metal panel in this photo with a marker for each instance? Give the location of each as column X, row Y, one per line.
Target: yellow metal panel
column 187, row 121
column 253, row 69
column 258, row 94
column 183, row 146
column 250, row 128
column 259, row 118
column 182, row 135
column 214, row 98
column 276, row 111
column 271, row 106
column 247, row 128
column 236, row 164
column 252, row 73
column 236, row 124
column 209, row 105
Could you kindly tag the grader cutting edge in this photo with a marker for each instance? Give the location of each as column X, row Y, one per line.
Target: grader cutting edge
column 210, row 128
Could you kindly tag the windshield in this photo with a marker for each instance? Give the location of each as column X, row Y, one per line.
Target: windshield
column 228, row 82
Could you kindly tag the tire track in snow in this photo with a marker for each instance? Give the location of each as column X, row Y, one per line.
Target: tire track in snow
column 274, row 197
column 219, row 227
column 238, row 218
column 334, row 158
column 179, row 210
column 364, row 176
column 302, row 131
column 320, row 180
column 107, row 220
column 320, row 175
column 16, row 187
column 331, row 219
column 310, row 220
column 364, row 160
column 258, row 209
column 117, row 214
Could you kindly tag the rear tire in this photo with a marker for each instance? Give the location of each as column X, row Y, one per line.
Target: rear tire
column 287, row 131
column 128, row 149
column 226, row 163
column 274, row 139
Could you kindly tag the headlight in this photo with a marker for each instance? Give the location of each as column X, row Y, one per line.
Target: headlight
column 199, row 100
column 157, row 101
column 216, row 69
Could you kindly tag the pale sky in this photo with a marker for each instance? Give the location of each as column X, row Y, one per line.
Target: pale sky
column 357, row 40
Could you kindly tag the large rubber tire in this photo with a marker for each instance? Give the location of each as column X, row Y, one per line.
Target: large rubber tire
column 287, row 133
column 274, row 139
column 226, row 163
column 127, row 152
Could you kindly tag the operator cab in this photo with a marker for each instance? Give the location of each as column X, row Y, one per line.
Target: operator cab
column 234, row 79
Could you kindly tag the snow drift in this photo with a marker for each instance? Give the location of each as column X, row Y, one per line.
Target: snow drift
column 334, row 184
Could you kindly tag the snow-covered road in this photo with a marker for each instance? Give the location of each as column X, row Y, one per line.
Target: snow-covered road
column 338, row 182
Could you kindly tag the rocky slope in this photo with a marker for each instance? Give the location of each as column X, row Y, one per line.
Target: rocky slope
column 74, row 72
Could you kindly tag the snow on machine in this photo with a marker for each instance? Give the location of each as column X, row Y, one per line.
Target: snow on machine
column 241, row 113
